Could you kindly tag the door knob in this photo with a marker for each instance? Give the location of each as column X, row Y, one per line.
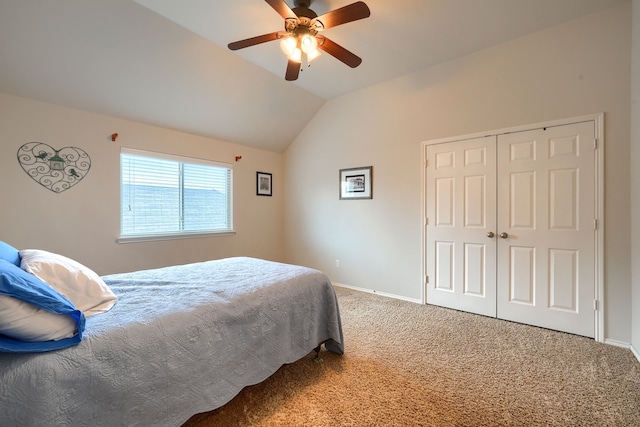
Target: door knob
column 504, row 235
column 490, row 234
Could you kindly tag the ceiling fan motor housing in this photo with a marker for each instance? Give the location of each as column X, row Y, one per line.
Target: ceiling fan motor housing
column 301, row 9
column 302, row 3
column 304, row 12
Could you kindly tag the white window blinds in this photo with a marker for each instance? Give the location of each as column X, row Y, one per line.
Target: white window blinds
column 164, row 195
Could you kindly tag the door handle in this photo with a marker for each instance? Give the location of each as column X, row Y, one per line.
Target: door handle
column 504, row 235
column 490, row 234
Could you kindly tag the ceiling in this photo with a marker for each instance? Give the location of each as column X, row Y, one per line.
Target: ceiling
column 165, row 62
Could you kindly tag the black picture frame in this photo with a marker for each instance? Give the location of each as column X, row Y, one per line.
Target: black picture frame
column 264, row 184
column 356, row 183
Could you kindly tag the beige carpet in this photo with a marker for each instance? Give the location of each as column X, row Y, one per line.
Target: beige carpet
column 408, row 364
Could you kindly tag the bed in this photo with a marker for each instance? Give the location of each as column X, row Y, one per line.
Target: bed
column 179, row 341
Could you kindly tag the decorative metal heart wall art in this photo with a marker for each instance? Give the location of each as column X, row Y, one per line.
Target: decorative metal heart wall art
column 57, row 170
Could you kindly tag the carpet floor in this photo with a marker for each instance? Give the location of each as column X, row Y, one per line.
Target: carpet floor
column 408, row 364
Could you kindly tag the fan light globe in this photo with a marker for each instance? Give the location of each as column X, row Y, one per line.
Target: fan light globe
column 308, row 43
column 288, row 45
column 296, row 55
column 313, row 55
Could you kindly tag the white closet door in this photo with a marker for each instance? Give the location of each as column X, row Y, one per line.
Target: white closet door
column 461, row 211
column 547, row 209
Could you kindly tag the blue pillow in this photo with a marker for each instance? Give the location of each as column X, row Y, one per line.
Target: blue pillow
column 17, row 283
column 9, row 253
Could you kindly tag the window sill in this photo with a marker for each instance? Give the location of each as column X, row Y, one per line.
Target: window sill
column 155, row 237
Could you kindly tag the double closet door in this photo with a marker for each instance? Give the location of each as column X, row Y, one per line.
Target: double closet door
column 511, row 226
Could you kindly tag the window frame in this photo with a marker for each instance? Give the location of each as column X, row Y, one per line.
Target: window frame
column 132, row 238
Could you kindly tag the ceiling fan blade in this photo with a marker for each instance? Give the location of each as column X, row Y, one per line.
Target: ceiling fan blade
column 293, row 69
column 339, row 52
column 349, row 13
column 282, row 8
column 240, row 44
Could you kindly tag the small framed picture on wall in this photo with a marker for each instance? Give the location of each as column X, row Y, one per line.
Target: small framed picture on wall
column 355, row 183
column 263, row 184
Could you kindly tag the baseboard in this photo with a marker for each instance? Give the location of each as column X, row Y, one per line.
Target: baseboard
column 384, row 294
column 617, row 343
column 635, row 352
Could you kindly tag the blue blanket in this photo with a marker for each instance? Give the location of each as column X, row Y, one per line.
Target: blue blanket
column 17, row 283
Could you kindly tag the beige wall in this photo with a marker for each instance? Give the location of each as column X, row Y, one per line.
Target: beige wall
column 635, row 177
column 83, row 221
column 579, row 68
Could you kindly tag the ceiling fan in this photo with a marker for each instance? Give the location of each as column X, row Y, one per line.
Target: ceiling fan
column 301, row 39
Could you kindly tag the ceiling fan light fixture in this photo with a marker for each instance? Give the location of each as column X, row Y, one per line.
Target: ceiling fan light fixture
column 295, row 46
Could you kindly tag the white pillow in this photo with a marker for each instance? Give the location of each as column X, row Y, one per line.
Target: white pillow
column 81, row 285
column 25, row 322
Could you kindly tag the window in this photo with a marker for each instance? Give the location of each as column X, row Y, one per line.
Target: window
column 164, row 196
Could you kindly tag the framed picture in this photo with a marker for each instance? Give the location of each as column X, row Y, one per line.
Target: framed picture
column 356, row 183
column 263, row 184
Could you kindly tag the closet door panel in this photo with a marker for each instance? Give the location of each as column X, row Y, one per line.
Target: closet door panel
column 460, row 212
column 546, row 210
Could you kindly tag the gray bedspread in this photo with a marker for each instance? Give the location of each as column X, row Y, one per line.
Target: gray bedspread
column 181, row 340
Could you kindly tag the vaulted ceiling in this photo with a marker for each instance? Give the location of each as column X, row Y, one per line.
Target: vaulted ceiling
column 166, row 62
